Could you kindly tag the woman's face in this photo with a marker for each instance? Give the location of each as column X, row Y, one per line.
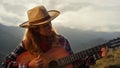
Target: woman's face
column 46, row 29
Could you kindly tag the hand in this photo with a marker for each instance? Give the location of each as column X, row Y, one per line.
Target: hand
column 36, row 62
column 103, row 51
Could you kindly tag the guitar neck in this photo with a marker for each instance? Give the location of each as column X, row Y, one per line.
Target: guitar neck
column 92, row 51
column 80, row 55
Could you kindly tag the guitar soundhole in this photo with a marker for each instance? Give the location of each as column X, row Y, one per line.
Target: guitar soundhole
column 53, row 64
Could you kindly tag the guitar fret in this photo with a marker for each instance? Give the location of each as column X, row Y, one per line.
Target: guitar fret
column 65, row 61
column 72, row 57
column 85, row 54
column 87, row 51
column 77, row 56
column 98, row 56
column 98, row 48
column 94, row 57
column 81, row 54
column 90, row 51
column 94, row 50
column 68, row 59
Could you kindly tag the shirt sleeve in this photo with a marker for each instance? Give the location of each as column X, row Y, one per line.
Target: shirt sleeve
column 65, row 43
column 67, row 47
column 10, row 59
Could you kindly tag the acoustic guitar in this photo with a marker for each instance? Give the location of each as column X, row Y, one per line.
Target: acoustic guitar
column 58, row 57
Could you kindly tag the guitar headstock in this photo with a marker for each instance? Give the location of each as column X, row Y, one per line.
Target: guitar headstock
column 113, row 43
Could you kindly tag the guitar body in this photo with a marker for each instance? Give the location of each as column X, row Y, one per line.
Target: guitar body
column 50, row 58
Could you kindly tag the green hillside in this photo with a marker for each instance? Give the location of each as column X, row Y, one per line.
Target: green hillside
column 112, row 60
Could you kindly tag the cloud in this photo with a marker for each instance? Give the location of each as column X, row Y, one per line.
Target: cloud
column 92, row 18
column 96, row 15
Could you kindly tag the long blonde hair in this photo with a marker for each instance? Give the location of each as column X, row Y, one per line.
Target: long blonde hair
column 32, row 38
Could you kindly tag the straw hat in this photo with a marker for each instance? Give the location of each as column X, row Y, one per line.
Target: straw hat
column 39, row 15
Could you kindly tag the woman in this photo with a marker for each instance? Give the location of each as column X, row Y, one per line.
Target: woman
column 39, row 38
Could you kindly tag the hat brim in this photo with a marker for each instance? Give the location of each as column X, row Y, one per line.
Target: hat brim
column 53, row 14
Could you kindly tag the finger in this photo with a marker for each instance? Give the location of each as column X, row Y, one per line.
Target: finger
column 40, row 62
column 104, row 52
column 38, row 57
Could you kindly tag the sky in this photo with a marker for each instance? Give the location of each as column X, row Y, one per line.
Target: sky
column 95, row 15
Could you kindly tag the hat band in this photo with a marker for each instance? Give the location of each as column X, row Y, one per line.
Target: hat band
column 40, row 20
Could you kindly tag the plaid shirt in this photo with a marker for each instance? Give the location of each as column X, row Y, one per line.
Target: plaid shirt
column 10, row 60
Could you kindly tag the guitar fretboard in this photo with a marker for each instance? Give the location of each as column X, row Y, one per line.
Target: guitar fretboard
column 79, row 55
column 92, row 51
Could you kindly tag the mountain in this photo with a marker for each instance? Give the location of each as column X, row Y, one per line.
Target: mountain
column 9, row 36
column 9, row 39
column 79, row 40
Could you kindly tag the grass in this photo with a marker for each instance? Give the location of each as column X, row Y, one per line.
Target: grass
column 112, row 60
